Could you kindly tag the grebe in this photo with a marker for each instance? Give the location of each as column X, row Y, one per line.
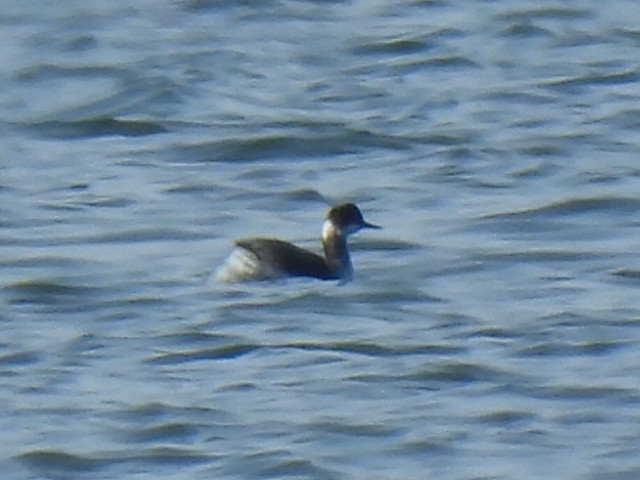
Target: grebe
column 268, row 258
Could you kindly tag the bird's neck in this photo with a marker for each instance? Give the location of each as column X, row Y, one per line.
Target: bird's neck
column 336, row 253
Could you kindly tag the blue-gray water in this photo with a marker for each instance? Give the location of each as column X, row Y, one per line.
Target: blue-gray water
column 493, row 328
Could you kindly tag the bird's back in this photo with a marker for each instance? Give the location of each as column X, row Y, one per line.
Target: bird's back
column 268, row 258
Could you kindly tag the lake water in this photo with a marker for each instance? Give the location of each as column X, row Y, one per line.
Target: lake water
column 493, row 327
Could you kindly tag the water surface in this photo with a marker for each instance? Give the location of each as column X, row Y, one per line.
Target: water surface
column 492, row 329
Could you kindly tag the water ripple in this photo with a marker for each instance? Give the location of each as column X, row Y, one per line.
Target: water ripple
column 288, row 147
column 577, row 206
column 235, row 350
column 221, row 353
column 97, row 127
column 59, row 462
column 47, row 292
column 618, row 78
column 395, row 46
column 555, row 13
column 460, row 372
column 375, row 350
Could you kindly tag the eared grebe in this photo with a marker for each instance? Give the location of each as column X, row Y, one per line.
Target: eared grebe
column 268, row 258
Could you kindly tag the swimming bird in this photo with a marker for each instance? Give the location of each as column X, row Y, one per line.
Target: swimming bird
column 269, row 258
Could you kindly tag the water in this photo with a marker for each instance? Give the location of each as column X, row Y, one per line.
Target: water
column 492, row 330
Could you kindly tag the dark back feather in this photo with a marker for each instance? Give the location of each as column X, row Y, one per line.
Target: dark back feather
column 288, row 258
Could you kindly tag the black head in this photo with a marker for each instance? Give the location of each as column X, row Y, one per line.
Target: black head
column 348, row 218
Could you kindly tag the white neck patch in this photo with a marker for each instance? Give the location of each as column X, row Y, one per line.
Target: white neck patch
column 328, row 230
